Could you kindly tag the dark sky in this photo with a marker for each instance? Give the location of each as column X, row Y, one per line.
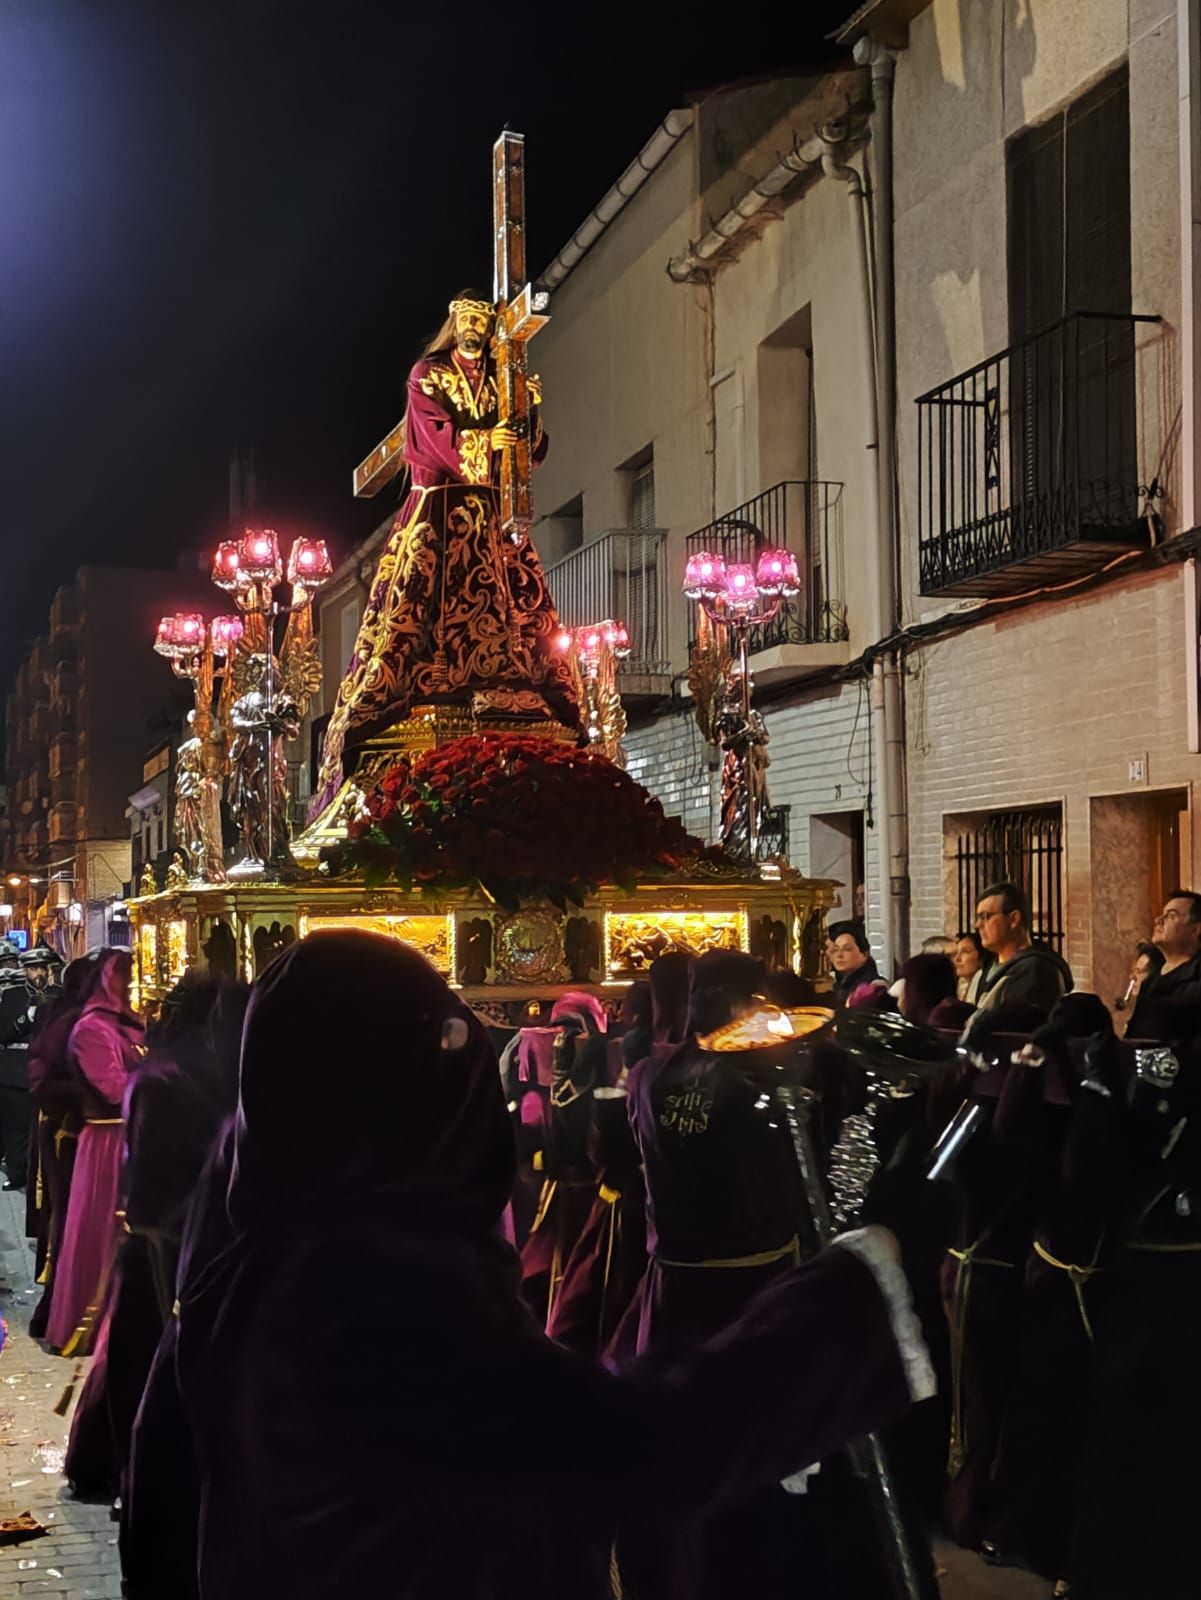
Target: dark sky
column 230, row 222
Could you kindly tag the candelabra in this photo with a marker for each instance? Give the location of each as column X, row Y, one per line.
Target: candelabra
column 261, row 702
column 740, row 597
column 592, row 655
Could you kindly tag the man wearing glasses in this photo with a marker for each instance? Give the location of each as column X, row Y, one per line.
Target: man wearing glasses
column 1026, row 979
column 1176, row 989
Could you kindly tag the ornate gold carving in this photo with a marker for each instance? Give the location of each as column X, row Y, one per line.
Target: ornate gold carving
column 509, row 703
column 634, row 939
column 148, row 956
column 177, row 949
column 433, row 936
column 177, row 872
column 475, row 455
column 148, row 883
column 529, row 948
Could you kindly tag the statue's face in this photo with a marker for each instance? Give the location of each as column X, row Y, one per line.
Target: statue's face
column 471, row 331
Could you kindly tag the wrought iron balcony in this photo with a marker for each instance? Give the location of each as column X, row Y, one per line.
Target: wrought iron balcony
column 806, row 518
column 622, row 575
column 62, row 823
column 1028, row 466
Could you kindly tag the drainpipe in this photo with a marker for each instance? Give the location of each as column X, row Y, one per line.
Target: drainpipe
column 1188, row 47
column 880, row 609
column 888, row 667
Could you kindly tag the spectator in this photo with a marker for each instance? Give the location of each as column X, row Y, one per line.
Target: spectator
column 1147, row 964
column 854, row 967
column 971, row 965
column 929, row 995
column 1176, row 989
column 1021, row 990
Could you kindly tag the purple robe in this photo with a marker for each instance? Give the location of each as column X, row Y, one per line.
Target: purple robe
column 421, row 1484
column 103, row 1045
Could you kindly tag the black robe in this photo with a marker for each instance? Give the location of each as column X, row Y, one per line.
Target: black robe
column 431, row 1482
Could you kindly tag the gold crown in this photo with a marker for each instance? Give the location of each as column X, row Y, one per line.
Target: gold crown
column 484, row 307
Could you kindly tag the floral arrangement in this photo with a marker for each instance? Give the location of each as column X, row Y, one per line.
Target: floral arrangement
column 518, row 816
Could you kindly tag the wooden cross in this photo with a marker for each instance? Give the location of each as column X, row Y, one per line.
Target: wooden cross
column 520, row 312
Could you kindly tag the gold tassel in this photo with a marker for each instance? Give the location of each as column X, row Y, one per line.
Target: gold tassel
column 64, row 1399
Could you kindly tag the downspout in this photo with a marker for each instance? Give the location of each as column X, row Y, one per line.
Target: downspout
column 1188, row 48
column 835, row 165
column 888, row 666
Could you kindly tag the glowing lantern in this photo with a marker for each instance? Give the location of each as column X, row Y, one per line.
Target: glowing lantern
column 258, row 556
column 309, row 564
column 776, row 573
column 705, row 576
column 225, row 633
column 227, row 563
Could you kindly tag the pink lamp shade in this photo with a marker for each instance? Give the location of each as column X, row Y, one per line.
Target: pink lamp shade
column 225, row 633
column 617, row 637
column 741, row 592
column 776, row 573
column 259, row 556
column 227, row 563
column 309, row 564
column 181, row 635
column 563, row 640
column 705, row 576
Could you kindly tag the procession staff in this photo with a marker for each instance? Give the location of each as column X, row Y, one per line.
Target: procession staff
column 445, row 1464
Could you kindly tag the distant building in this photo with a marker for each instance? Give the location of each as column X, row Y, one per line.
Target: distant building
column 76, row 731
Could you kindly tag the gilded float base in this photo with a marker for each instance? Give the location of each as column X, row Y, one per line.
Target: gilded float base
column 489, row 954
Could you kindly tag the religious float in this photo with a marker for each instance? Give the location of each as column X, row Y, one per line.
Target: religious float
column 472, row 800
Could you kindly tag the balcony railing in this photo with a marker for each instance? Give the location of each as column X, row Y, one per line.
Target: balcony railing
column 62, row 756
column 1028, row 463
column 806, row 518
column 622, row 575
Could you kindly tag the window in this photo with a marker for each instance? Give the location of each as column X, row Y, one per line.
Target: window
column 1072, row 397
column 641, row 502
column 158, row 762
column 1022, row 847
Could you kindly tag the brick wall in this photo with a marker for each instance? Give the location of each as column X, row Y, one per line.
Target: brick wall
column 1047, row 705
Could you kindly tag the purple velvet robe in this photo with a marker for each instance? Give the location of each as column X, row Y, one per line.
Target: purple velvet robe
column 103, row 1045
column 456, row 609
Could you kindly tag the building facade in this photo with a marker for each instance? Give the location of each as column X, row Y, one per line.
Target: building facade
column 78, row 727
column 926, row 317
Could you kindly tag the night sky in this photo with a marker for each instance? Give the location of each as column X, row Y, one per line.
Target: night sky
column 231, row 224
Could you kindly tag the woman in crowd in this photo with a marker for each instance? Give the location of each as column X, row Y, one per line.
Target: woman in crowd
column 316, row 1486
column 103, row 1049
column 58, row 1096
column 970, row 965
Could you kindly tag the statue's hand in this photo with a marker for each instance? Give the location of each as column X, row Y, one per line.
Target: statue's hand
column 502, row 437
column 533, row 385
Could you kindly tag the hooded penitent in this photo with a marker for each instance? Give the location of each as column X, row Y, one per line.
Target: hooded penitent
column 357, row 1370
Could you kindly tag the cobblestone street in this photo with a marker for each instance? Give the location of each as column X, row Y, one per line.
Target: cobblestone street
column 77, row 1560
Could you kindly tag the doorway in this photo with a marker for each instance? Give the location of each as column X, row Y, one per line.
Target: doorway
column 1138, row 845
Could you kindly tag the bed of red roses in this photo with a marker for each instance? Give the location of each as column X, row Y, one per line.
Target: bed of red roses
column 517, row 816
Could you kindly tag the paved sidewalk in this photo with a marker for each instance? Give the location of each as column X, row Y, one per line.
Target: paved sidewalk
column 77, row 1560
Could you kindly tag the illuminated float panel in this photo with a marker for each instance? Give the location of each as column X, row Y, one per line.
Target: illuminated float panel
column 433, row 935
column 635, row 939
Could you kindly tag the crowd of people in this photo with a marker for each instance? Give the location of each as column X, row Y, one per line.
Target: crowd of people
column 583, row 1340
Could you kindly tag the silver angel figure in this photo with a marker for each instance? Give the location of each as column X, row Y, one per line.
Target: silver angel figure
column 743, row 738
column 262, row 720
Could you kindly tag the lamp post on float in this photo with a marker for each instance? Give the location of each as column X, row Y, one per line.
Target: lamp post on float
column 592, row 654
column 251, row 570
column 740, row 597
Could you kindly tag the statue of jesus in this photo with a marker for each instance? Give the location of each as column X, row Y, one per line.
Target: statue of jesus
column 458, row 613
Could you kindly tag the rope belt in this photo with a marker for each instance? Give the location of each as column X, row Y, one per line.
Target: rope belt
column 1166, row 1249
column 762, row 1258
column 104, row 1122
column 968, row 1259
column 1078, row 1276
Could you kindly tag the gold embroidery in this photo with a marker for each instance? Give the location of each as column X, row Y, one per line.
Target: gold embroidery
column 475, row 456
column 687, row 1112
column 452, row 384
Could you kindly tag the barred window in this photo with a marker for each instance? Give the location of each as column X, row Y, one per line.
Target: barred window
column 1022, row 847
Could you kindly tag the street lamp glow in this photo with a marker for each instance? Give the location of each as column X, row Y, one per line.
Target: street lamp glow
column 6, row 911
